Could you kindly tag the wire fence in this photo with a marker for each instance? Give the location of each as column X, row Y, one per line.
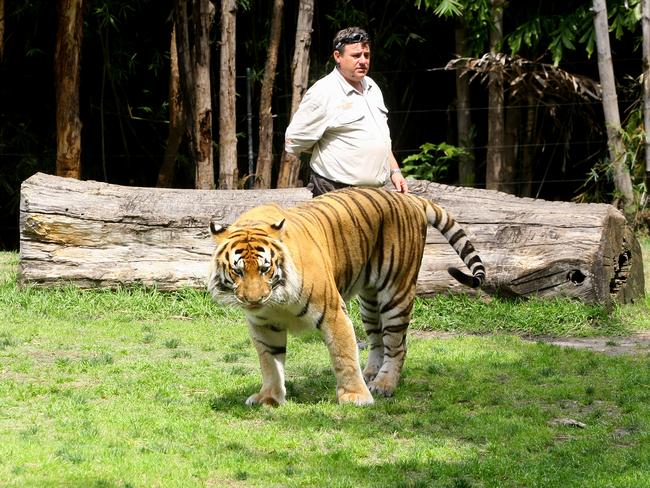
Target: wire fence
column 245, row 117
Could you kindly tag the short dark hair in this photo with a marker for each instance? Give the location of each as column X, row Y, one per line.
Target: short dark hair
column 349, row 35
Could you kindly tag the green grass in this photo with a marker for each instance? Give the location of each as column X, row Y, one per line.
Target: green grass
column 137, row 388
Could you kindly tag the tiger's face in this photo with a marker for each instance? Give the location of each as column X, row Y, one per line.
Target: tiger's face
column 248, row 265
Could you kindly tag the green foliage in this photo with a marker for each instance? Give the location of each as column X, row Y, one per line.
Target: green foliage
column 433, row 161
column 558, row 34
column 346, row 14
column 110, row 13
column 563, row 37
column 442, row 8
column 624, row 17
column 475, row 14
column 527, row 34
column 554, row 33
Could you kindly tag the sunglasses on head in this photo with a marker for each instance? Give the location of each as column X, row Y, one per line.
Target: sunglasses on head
column 352, row 39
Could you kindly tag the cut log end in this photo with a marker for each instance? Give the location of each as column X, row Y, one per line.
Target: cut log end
column 627, row 284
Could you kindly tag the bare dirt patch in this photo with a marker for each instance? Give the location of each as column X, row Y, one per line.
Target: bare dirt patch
column 633, row 344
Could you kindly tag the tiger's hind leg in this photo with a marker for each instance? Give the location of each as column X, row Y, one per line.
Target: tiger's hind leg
column 395, row 316
column 370, row 318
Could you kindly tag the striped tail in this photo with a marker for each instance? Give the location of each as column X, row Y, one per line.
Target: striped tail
column 456, row 236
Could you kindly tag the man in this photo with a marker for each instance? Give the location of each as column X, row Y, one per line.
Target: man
column 343, row 122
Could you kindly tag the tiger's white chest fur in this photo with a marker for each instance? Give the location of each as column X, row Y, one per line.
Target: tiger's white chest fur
column 281, row 317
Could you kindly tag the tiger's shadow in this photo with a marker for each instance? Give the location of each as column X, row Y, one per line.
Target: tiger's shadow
column 307, row 388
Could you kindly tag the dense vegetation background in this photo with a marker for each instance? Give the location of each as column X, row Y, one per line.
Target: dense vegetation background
column 125, row 76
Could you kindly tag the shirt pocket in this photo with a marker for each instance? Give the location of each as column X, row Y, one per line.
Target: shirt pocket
column 348, row 118
column 383, row 111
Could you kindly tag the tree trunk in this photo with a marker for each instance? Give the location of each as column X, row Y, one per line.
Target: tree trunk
column 622, row 180
column 290, row 164
column 177, row 122
column 202, row 130
column 528, row 149
column 95, row 234
column 511, row 148
column 67, row 67
column 193, row 43
column 2, row 29
column 265, row 150
column 645, row 26
column 184, row 59
column 466, row 168
column 228, row 171
column 495, row 158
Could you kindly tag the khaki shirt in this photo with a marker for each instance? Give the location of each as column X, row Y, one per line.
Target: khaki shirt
column 346, row 131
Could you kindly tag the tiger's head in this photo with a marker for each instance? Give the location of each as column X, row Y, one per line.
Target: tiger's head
column 250, row 263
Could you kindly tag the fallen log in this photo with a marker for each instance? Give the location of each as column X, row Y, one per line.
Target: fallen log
column 89, row 234
column 96, row 234
column 534, row 247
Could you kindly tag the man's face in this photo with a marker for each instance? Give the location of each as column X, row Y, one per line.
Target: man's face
column 354, row 61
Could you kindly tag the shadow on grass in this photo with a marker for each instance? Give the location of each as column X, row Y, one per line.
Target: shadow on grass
column 313, row 388
column 468, row 412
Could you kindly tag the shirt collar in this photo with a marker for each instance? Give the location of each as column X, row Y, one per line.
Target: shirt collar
column 347, row 88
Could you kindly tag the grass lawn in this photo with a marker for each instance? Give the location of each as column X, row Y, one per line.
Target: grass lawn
column 136, row 388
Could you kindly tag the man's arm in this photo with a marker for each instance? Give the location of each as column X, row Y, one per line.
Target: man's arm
column 307, row 126
column 396, row 177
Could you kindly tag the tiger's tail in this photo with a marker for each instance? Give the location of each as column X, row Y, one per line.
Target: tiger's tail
column 456, row 236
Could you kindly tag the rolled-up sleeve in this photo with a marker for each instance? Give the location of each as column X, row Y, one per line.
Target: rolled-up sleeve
column 307, row 125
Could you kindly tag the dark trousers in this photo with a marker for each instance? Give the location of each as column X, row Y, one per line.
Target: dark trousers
column 319, row 184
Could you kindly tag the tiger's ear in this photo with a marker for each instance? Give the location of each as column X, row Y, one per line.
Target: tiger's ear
column 217, row 231
column 277, row 229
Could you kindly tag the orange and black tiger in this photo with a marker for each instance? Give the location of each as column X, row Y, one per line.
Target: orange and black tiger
column 292, row 269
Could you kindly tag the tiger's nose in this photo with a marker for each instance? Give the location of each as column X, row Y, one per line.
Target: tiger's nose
column 251, row 300
column 251, row 304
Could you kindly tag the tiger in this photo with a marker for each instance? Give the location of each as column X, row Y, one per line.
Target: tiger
column 292, row 269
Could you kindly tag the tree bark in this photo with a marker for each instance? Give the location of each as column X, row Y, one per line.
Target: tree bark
column 290, row 164
column 177, row 122
column 193, row 43
column 96, row 234
column 528, row 150
column 466, row 167
column 265, row 150
column 67, row 67
column 228, row 171
column 202, row 130
column 494, row 178
column 2, row 29
column 622, row 179
column 645, row 27
column 511, row 148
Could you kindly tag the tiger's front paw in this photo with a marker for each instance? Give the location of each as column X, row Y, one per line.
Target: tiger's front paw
column 370, row 373
column 383, row 388
column 264, row 399
column 357, row 398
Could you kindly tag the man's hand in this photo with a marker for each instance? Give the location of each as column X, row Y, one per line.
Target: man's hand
column 396, row 176
column 399, row 182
